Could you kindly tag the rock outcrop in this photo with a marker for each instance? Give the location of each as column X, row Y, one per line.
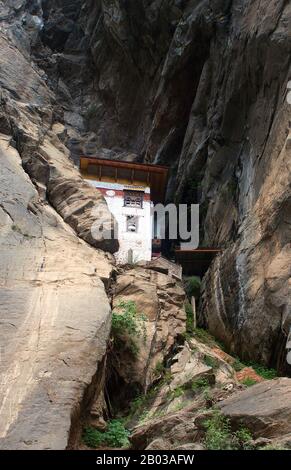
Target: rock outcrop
column 161, row 300
column 200, row 386
column 55, row 315
column 27, row 110
column 197, row 379
column 263, row 410
column 246, row 295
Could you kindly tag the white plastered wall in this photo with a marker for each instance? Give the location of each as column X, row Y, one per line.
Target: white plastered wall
column 141, row 241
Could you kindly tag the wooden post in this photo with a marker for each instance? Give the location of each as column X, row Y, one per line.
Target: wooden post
column 193, row 303
column 148, row 178
column 130, row 256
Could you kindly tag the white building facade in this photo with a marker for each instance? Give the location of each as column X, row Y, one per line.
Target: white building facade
column 130, row 190
column 131, row 207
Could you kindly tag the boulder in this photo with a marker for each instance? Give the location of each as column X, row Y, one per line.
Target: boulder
column 178, row 427
column 265, row 408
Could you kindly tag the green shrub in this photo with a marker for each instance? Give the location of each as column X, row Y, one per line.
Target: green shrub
column 116, row 435
column 137, row 408
column 159, row 413
column 137, row 404
column 211, row 361
column 167, row 378
column 141, row 402
column 176, row 393
column 262, row 371
column 91, row 111
column 180, row 406
column 128, row 323
column 159, row 369
column 207, row 395
column 249, row 382
column 200, row 384
column 92, row 438
column 193, row 287
column 143, row 417
column 238, row 365
column 205, row 337
column 219, row 436
column 242, row 439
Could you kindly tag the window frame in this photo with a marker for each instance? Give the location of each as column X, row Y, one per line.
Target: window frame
column 137, row 198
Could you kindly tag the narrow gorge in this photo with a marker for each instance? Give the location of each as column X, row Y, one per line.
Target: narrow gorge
column 95, row 354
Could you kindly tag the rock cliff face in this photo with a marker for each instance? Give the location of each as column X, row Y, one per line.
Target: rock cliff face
column 55, row 315
column 161, row 299
column 201, row 86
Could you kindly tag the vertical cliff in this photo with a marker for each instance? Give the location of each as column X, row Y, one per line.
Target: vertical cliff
column 55, row 316
column 200, row 86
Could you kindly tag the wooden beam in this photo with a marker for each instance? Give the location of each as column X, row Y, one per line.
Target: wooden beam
column 155, row 176
column 145, row 167
column 200, row 250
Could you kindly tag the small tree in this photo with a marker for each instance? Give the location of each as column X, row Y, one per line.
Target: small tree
column 116, row 435
column 128, row 324
column 193, row 287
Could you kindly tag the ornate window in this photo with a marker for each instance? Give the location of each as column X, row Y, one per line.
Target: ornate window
column 133, row 199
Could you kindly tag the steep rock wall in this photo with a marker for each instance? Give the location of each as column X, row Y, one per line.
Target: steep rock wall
column 54, row 312
column 54, row 315
column 160, row 299
column 201, row 86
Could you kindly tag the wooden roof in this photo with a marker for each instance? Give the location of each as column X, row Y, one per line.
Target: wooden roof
column 154, row 176
column 196, row 262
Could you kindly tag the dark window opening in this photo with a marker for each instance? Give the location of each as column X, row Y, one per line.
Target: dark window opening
column 132, row 223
